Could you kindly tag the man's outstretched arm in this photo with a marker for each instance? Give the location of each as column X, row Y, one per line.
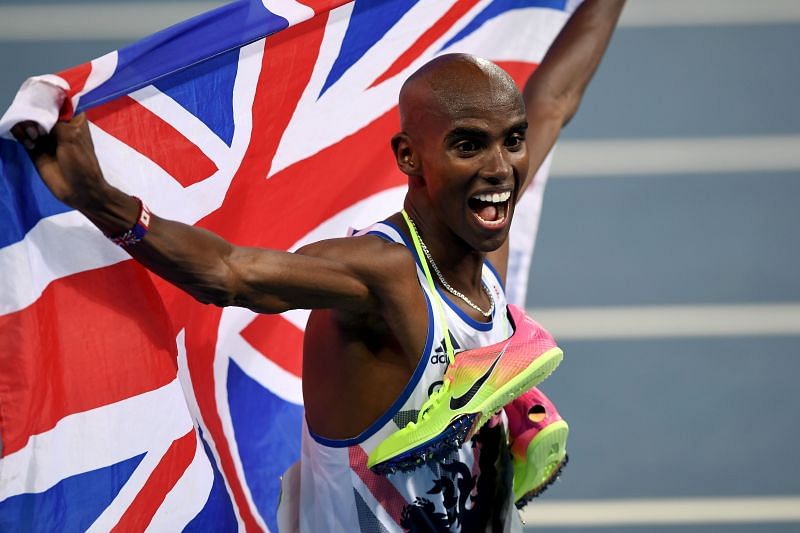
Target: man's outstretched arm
column 554, row 90
column 198, row 261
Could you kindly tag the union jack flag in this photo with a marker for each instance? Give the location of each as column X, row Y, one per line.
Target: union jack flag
column 125, row 404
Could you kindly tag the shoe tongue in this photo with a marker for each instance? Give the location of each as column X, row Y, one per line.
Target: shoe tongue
column 488, row 212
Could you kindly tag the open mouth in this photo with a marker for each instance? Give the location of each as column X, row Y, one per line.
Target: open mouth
column 491, row 209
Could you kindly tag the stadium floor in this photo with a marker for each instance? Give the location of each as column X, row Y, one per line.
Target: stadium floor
column 666, row 415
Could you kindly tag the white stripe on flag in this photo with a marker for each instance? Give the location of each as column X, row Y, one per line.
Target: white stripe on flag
column 113, row 512
column 80, row 442
column 57, row 246
column 292, row 11
column 527, row 34
column 255, row 364
column 191, row 127
column 221, row 367
column 189, row 495
column 103, row 68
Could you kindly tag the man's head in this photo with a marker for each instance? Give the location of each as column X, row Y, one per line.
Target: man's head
column 462, row 145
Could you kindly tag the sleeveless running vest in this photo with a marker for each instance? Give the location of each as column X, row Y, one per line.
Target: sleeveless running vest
column 333, row 490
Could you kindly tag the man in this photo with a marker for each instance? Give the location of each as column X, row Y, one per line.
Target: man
column 469, row 143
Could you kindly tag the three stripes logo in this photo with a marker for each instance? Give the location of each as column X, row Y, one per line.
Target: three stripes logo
column 439, row 356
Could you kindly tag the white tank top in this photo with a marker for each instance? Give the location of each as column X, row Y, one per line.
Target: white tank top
column 337, row 492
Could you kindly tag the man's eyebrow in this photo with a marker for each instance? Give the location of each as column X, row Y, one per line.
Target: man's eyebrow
column 464, row 131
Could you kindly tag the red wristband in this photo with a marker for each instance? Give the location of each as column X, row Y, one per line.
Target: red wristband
column 139, row 229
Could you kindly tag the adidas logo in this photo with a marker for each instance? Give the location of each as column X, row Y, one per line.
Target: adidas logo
column 439, row 356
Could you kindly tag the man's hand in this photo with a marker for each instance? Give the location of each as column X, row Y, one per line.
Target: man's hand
column 65, row 160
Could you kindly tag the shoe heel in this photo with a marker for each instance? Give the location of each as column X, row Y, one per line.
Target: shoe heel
column 545, row 459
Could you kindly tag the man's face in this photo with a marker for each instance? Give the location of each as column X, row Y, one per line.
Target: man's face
column 474, row 160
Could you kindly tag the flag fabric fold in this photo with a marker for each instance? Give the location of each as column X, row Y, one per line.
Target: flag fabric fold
column 125, row 404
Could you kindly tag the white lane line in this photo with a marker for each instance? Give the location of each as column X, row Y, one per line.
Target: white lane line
column 643, row 157
column 133, row 20
column 650, row 13
column 646, row 322
column 604, row 513
column 86, row 22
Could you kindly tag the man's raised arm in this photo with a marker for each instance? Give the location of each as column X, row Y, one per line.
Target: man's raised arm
column 553, row 92
column 198, row 261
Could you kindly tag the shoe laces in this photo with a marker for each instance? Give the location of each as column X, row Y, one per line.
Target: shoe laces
column 430, row 403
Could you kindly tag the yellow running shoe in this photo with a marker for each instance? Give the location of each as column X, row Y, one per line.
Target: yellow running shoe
column 477, row 384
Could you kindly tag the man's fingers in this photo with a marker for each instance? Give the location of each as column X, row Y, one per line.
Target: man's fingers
column 21, row 134
column 40, row 146
column 28, row 133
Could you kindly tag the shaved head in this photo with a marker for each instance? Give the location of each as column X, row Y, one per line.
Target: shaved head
column 462, row 145
column 453, row 85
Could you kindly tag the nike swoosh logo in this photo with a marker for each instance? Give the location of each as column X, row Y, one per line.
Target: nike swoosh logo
column 464, row 399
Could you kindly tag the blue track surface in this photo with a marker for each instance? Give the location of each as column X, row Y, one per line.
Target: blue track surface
column 679, row 417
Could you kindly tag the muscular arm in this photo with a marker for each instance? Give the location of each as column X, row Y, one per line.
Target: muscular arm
column 329, row 274
column 554, row 90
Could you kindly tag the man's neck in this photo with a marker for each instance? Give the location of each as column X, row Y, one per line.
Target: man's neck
column 459, row 264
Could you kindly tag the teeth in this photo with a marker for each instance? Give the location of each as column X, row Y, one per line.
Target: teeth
column 496, row 198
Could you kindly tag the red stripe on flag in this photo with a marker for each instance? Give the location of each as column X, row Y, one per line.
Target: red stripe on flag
column 323, row 6
column 330, row 181
column 91, row 339
column 518, row 70
column 277, row 339
column 76, row 77
column 383, row 491
column 285, row 71
column 426, row 39
column 147, row 133
column 161, row 480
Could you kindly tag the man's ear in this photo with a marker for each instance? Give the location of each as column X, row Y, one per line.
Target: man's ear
column 405, row 155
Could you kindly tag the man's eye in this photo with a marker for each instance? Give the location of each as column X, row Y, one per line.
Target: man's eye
column 515, row 141
column 467, row 146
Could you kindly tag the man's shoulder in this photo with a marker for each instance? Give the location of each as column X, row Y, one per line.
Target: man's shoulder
column 371, row 254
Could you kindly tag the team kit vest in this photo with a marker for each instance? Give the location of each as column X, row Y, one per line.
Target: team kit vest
column 331, row 489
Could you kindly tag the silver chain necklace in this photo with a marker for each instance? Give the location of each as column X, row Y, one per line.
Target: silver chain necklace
column 449, row 287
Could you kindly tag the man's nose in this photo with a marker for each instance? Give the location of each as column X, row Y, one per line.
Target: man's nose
column 497, row 166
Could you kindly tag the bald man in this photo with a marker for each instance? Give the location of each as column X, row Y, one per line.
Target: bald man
column 469, row 143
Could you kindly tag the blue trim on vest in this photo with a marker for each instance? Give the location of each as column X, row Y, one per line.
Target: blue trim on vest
column 397, row 404
column 408, row 243
column 382, row 235
column 496, row 274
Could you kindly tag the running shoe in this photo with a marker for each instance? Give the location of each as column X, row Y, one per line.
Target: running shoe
column 477, row 384
column 538, row 444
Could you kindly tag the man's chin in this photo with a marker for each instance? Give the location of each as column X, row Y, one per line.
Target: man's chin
column 491, row 239
column 493, row 243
